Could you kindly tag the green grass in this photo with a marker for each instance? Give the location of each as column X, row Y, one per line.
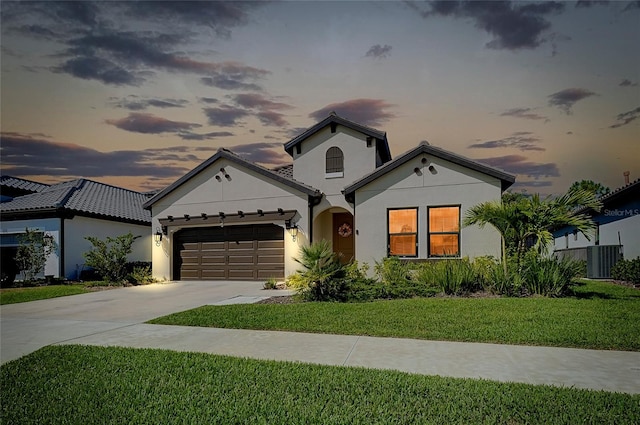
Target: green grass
column 23, row 295
column 79, row 384
column 599, row 316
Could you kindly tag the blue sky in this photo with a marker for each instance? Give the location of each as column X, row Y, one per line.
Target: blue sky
column 136, row 94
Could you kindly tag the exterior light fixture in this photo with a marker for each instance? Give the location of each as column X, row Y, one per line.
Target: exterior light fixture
column 294, row 232
column 170, row 217
column 221, row 218
column 158, row 236
column 186, row 217
column 241, row 213
column 280, row 211
column 260, row 212
column 204, row 216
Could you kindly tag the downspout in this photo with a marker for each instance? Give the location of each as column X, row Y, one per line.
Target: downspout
column 61, row 247
column 313, row 201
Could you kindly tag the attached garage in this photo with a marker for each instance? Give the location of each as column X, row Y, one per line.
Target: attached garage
column 240, row 252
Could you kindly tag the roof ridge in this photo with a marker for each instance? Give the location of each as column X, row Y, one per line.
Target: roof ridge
column 76, row 187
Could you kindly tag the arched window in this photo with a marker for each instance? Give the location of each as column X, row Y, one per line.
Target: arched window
column 335, row 161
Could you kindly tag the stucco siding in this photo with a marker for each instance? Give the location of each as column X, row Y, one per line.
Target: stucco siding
column 243, row 190
column 403, row 187
column 310, row 165
column 50, row 226
column 76, row 245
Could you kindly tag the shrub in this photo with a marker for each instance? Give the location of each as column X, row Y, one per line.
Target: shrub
column 141, row 275
column 323, row 275
column 548, row 276
column 393, row 271
column 499, row 282
column 109, row 257
column 271, row 283
column 453, row 277
column 627, row 270
column 32, row 253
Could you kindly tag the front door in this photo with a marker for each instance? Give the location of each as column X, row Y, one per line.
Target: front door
column 343, row 242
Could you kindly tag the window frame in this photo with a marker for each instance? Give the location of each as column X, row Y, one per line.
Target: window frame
column 335, row 171
column 429, row 232
column 416, row 232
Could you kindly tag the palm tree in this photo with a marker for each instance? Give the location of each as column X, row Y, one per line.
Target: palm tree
column 519, row 218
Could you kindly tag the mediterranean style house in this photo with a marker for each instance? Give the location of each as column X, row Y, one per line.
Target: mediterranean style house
column 229, row 218
column 68, row 212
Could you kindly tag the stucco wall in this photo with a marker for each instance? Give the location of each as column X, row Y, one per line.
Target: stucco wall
column 447, row 184
column 628, row 228
column 310, row 165
column 244, row 190
column 51, row 226
column 78, row 228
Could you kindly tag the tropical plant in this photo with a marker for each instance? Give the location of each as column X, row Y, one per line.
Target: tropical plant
column 109, row 257
column 548, row 276
column 523, row 219
column 32, row 253
column 323, row 274
column 627, row 270
column 597, row 188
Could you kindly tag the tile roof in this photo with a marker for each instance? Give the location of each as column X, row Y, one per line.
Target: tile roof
column 284, row 171
column 23, row 184
column 84, row 197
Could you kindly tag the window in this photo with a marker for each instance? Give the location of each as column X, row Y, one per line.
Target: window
column 444, row 231
column 335, row 162
column 403, row 232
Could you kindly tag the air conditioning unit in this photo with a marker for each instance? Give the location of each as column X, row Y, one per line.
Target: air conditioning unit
column 601, row 259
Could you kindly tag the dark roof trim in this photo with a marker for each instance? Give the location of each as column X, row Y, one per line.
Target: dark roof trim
column 227, row 154
column 335, row 119
column 235, row 218
column 424, row 148
column 66, row 213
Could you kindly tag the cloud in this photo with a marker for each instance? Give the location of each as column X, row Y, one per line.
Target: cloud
column 513, row 25
column 379, row 52
column 520, row 140
column 590, row 3
column 565, row 99
column 626, row 118
column 627, row 83
column 258, row 101
column 227, row 82
column 185, row 135
column 208, row 100
column 525, row 113
column 136, row 103
column 27, row 155
column 272, row 118
column 371, row 112
column 99, row 47
column 226, row 116
column 532, row 183
column 150, row 124
column 518, row 164
column 263, row 153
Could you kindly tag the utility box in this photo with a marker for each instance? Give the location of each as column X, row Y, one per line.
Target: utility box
column 601, row 259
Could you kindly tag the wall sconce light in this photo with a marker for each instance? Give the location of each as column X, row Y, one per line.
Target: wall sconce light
column 204, row 216
column 260, row 212
column 241, row 213
column 280, row 211
column 294, row 232
column 158, row 236
column 221, row 218
column 186, row 217
column 170, row 217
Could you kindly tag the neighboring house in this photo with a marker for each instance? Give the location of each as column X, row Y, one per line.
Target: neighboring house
column 69, row 212
column 232, row 219
column 618, row 223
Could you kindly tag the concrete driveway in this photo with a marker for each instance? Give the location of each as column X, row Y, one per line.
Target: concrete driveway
column 27, row 327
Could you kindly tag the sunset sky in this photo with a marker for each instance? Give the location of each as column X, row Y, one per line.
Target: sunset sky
column 136, row 94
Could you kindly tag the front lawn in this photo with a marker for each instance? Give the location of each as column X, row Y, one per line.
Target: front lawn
column 600, row 316
column 79, row 384
column 23, row 295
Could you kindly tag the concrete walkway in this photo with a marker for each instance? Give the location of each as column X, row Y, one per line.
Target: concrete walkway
column 115, row 318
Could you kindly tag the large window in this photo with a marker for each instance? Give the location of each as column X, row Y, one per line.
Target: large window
column 403, row 232
column 335, row 162
column 444, row 231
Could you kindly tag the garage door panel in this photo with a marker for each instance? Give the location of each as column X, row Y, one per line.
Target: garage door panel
column 245, row 252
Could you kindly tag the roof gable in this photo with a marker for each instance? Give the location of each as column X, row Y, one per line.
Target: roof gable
column 227, row 154
column 22, row 186
column 83, row 197
column 424, row 148
column 334, row 119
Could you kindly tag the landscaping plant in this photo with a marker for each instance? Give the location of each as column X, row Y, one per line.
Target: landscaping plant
column 109, row 257
column 627, row 270
column 32, row 253
column 323, row 275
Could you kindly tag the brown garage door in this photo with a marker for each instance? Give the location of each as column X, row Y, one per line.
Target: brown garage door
column 247, row 252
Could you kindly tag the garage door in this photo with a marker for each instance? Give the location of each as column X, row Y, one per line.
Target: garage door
column 247, row 252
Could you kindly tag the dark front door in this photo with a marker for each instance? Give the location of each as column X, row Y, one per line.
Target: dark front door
column 248, row 252
column 343, row 242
